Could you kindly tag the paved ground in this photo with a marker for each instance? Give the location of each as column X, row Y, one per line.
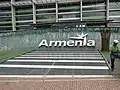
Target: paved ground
column 60, row 84
column 57, row 62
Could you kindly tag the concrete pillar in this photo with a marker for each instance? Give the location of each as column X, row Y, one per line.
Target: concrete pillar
column 81, row 10
column 107, row 9
column 13, row 16
column 107, row 12
column 56, row 11
column 34, row 12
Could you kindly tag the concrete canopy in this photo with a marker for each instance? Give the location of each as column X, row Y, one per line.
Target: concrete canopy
column 52, row 1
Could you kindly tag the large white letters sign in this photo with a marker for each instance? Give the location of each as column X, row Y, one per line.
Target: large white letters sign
column 80, row 40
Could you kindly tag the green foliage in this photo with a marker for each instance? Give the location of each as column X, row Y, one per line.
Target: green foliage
column 94, row 17
column 23, row 11
column 105, row 53
column 10, row 54
column 5, row 22
column 46, row 20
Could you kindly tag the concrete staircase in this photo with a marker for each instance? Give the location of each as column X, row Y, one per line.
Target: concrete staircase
column 57, row 62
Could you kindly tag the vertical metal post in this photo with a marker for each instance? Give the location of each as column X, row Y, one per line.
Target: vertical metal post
column 56, row 11
column 13, row 16
column 81, row 10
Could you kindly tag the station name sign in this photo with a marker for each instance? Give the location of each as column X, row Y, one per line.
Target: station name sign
column 80, row 40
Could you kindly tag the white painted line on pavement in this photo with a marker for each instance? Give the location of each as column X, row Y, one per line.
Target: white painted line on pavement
column 58, row 67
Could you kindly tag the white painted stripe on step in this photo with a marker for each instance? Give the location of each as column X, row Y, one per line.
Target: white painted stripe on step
column 64, row 49
column 65, row 53
column 60, row 57
column 86, row 61
column 61, row 76
column 58, row 67
column 68, row 51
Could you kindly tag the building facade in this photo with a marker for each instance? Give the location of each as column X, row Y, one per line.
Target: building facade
column 19, row 14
